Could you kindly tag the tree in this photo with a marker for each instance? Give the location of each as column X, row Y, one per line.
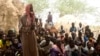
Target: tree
column 72, row 6
column 38, row 5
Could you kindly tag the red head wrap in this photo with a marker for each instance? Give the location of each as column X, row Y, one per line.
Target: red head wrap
column 30, row 14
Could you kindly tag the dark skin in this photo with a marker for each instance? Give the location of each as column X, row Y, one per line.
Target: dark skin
column 66, row 38
column 58, row 43
column 98, row 39
column 71, row 44
column 73, row 28
column 49, row 12
column 73, row 36
column 61, row 27
column 1, row 34
column 40, row 22
column 66, row 35
column 80, row 24
column 73, row 25
column 98, row 48
column 80, row 38
column 92, row 34
column 47, row 41
column 31, row 8
column 87, row 31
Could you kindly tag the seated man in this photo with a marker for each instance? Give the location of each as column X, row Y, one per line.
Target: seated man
column 71, row 49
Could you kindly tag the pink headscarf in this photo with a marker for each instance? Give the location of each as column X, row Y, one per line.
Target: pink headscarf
column 30, row 16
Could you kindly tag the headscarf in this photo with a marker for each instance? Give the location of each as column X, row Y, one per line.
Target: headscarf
column 30, row 14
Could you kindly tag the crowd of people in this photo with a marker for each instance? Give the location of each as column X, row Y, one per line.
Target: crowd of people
column 59, row 43
column 50, row 41
column 10, row 43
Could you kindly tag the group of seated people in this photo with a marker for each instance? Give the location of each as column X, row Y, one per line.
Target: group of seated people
column 81, row 42
column 10, row 43
column 53, row 42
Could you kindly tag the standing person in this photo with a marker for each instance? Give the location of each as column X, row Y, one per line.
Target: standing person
column 62, row 29
column 87, row 34
column 87, row 31
column 73, row 31
column 29, row 43
column 80, row 29
column 49, row 19
column 73, row 28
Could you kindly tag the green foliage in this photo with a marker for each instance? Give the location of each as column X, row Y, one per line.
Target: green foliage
column 64, row 6
column 38, row 5
column 72, row 6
